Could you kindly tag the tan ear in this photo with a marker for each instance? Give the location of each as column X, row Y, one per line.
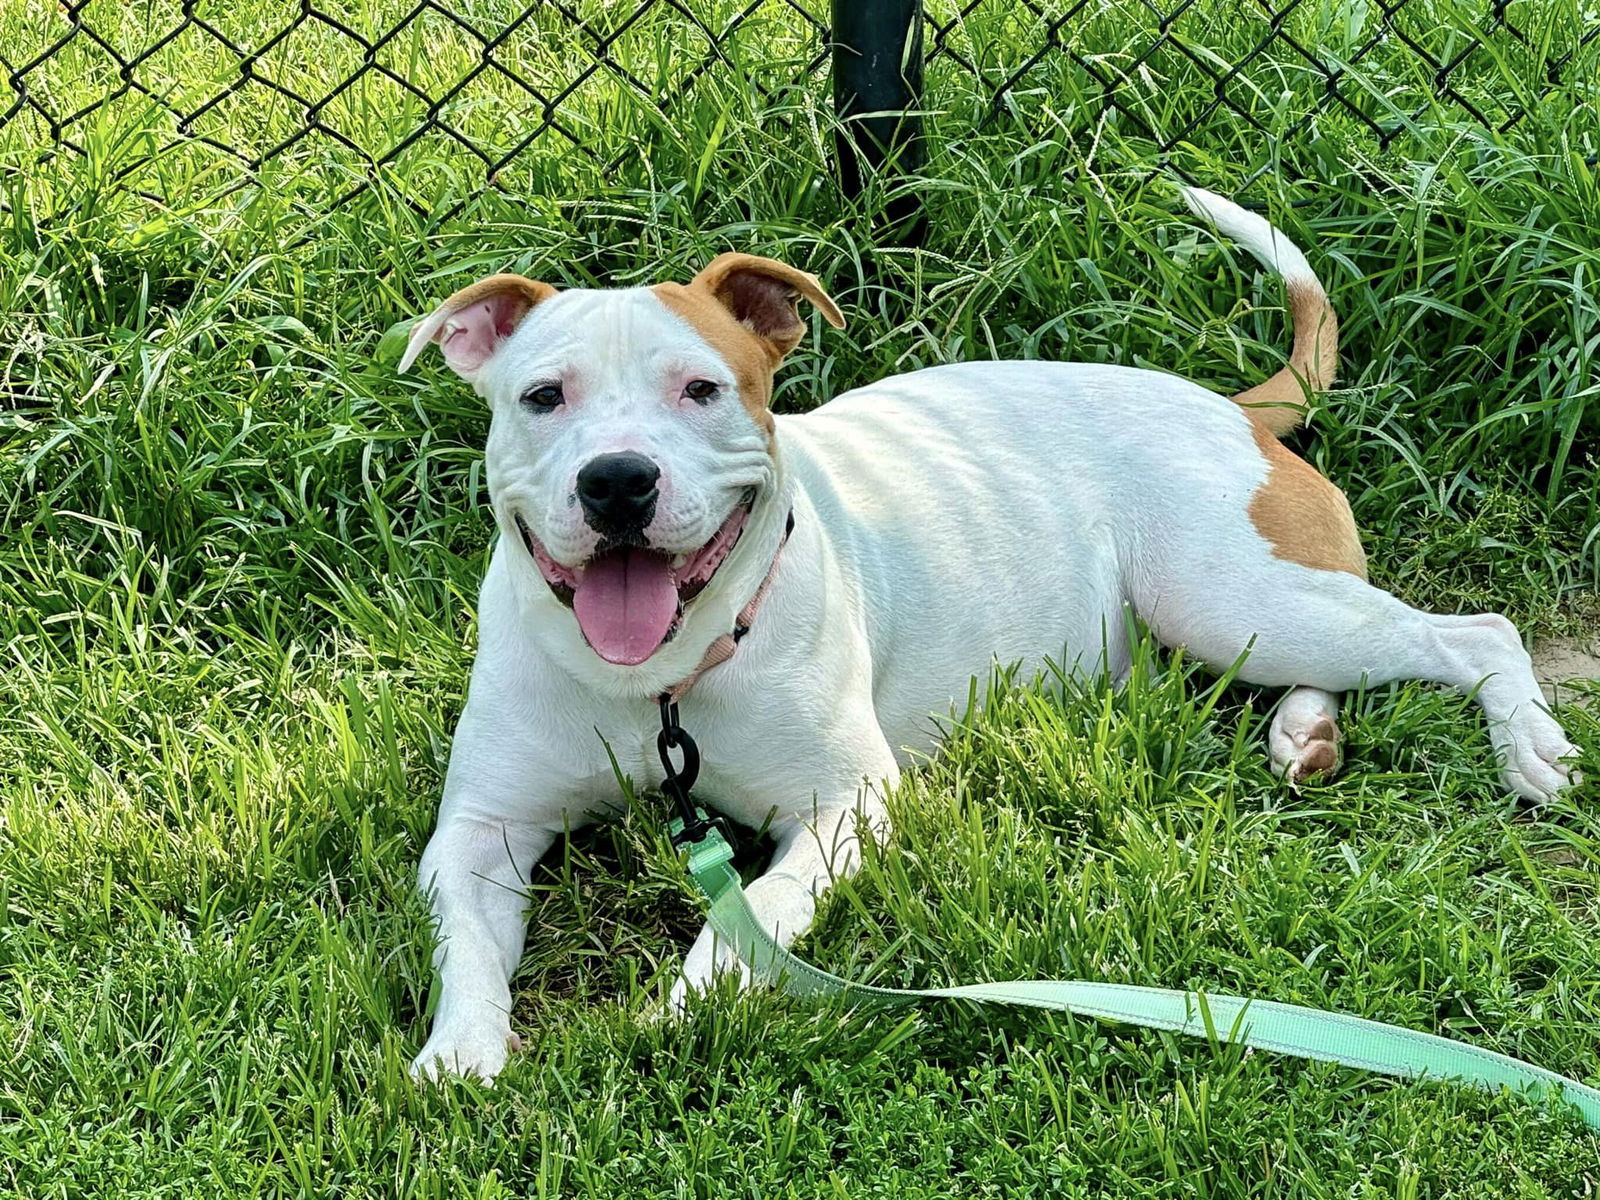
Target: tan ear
column 763, row 294
column 473, row 323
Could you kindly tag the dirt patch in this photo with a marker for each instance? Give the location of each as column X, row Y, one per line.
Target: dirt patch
column 1561, row 661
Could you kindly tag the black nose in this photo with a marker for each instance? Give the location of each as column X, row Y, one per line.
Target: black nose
column 618, row 492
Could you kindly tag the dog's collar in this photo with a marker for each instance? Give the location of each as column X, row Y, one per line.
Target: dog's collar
column 721, row 650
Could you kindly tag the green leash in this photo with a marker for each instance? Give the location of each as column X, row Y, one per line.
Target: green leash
column 1261, row 1024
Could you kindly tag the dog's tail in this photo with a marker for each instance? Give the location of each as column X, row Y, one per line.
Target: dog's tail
column 1279, row 404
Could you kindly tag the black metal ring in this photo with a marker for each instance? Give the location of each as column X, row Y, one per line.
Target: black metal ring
column 674, row 738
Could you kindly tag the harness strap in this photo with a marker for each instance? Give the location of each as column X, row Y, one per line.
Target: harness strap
column 721, row 650
column 1261, row 1024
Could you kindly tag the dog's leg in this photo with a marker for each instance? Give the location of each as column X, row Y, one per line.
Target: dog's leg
column 1304, row 737
column 1330, row 630
column 810, row 855
column 476, row 873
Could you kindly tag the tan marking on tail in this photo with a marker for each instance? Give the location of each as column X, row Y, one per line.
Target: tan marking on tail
column 1305, row 518
column 1279, row 404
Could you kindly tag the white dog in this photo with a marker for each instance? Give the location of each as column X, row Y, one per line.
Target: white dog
column 899, row 540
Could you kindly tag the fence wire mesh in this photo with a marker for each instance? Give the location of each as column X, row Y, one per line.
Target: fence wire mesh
column 186, row 91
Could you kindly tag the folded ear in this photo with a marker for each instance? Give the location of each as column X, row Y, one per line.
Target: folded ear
column 471, row 325
column 762, row 294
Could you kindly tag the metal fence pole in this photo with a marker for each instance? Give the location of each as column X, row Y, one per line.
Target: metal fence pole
column 877, row 91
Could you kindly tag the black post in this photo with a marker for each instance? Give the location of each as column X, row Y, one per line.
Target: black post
column 877, row 90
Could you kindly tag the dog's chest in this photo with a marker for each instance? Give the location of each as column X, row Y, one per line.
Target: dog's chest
column 623, row 735
column 724, row 748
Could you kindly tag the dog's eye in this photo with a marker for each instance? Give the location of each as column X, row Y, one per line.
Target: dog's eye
column 543, row 398
column 701, row 391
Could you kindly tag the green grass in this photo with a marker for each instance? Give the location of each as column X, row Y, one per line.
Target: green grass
column 240, row 555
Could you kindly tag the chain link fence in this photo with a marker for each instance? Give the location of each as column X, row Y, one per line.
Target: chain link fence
column 185, row 92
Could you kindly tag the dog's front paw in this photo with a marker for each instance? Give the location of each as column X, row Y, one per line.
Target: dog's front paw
column 678, row 999
column 1536, row 759
column 468, row 1050
column 707, row 960
column 677, row 1005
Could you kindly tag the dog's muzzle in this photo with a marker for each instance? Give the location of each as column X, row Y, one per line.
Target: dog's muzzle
column 629, row 598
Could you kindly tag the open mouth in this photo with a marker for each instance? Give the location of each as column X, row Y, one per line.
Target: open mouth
column 629, row 600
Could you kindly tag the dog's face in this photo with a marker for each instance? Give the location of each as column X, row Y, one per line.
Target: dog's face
column 630, row 434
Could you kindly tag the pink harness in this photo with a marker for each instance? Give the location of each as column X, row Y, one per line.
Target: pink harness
column 721, row 650
column 692, row 822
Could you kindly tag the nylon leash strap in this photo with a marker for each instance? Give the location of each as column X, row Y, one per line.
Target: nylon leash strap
column 1259, row 1024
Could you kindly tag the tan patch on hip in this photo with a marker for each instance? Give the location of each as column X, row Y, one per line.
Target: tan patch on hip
column 750, row 357
column 1305, row 518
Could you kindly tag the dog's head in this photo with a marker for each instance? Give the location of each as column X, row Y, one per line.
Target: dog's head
column 630, row 434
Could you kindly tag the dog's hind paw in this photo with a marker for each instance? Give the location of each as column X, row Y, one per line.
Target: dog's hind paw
column 1311, row 754
column 1536, row 759
column 1304, row 737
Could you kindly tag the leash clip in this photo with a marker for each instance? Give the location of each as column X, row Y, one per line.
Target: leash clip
column 692, row 825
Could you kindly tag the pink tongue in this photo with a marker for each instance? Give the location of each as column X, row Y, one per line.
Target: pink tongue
column 626, row 601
